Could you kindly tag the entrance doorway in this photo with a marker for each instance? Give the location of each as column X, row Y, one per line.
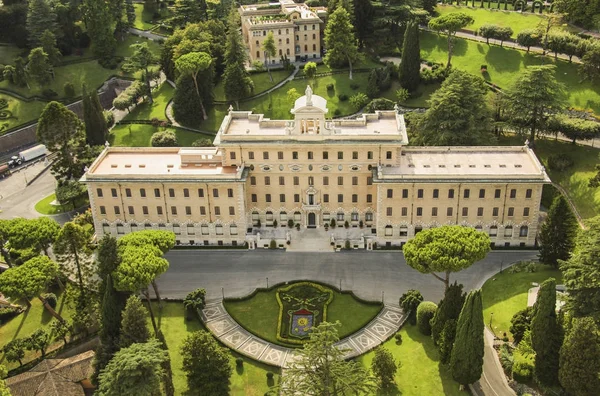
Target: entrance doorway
column 312, row 220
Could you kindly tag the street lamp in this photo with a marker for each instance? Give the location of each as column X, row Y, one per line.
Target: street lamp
column 491, row 328
column 267, row 282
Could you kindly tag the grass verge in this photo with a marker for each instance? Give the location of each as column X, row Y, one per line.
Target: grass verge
column 147, row 111
column 45, row 208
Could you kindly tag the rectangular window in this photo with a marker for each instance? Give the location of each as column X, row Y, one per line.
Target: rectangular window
column 354, row 198
column 171, row 193
column 355, row 180
column 405, row 193
column 217, row 211
column 281, row 197
column 145, row 210
column 186, row 193
column 201, row 193
column 482, row 193
column 102, row 210
column 419, row 212
column 188, row 210
column 390, row 193
column 232, row 155
column 404, row 211
column 254, row 199
column 157, row 193
column 202, row 211
column 310, row 155
column 267, row 181
column 231, row 211
column 340, row 198
column 465, row 212
column 420, row 193
column 325, row 155
column 511, row 212
column 326, row 198
column 113, row 192
column 128, row 192
column 280, row 155
column 173, row 210
column 525, row 212
column 513, row 193
column 388, row 211
column 340, row 155
column 449, row 211
column 325, row 180
column 251, row 155
column 436, row 193
column 497, row 193
column 117, row 210
column 434, row 212
column 216, row 192
column 369, row 198
column 99, row 192
column 466, row 193
column 296, row 198
column 130, row 210
column 340, row 180
column 369, row 155
column 294, row 155
column 355, row 155
column 479, row 212
column 451, row 193
column 159, row 210
column 495, row 212
column 528, row 193
column 253, row 180
column 388, row 155
column 143, row 192
column 296, row 181
column 268, row 197
column 230, row 192
column 265, row 155
column 369, row 180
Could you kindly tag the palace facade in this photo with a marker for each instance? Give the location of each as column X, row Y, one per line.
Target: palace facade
column 264, row 174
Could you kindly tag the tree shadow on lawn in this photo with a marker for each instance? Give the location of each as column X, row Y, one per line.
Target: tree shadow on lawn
column 503, row 60
column 23, row 319
column 424, row 341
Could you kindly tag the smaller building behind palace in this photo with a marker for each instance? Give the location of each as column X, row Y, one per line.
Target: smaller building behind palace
column 263, row 176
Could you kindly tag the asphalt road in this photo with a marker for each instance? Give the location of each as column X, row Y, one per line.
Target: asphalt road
column 368, row 274
column 17, row 199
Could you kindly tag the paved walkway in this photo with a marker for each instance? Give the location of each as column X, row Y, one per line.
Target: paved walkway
column 230, row 333
column 147, row 34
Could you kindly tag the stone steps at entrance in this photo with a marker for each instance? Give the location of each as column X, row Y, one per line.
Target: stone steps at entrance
column 310, row 240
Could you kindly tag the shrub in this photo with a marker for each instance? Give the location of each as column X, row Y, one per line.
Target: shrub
column 346, row 224
column 109, row 117
column 195, row 300
column 354, row 86
column 347, row 244
column 522, row 371
column 298, row 226
column 239, row 362
column 560, row 162
column 108, row 63
column 332, row 223
column 274, row 223
column 69, row 89
column 359, row 100
column 290, row 223
column 258, row 66
column 379, row 104
column 425, row 311
column 49, row 93
column 337, row 112
column 269, row 375
column 50, row 299
column 258, row 223
column 164, row 139
column 8, row 313
column 398, row 338
column 155, row 122
column 330, row 87
column 273, row 244
column 343, row 97
column 506, row 359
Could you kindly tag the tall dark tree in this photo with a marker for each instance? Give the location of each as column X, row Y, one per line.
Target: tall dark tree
column 40, row 17
column 363, row 20
column 557, row 234
column 449, row 308
column 342, row 47
column 48, row 44
column 13, row 24
column 236, row 81
column 580, row 359
column 188, row 11
column 466, row 361
column 186, row 103
column 130, row 12
column 99, row 26
column 134, row 327
column 141, row 59
column 96, row 130
column 39, row 68
column 409, row 302
column 581, row 273
column 546, row 334
column 410, row 65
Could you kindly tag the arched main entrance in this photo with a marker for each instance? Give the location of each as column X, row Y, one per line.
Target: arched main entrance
column 312, row 220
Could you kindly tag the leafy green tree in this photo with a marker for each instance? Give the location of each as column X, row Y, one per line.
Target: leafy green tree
column 71, row 246
column 546, row 334
column 133, row 323
column 164, row 139
column 14, row 350
column 364, row 12
column 38, row 234
column 573, row 128
column 192, row 64
column 130, row 12
column 236, row 81
column 320, row 368
column 20, row 75
column 458, row 114
column 372, row 85
column 269, row 49
column 141, row 59
column 558, row 232
column 448, row 309
column 48, row 44
column 529, row 38
column 195, row 300
column 39, row 340
column 107, row 259
column 70, row 191
column 5, row 232
column 359, row 100
column 100, row 28
column 4, row 389
column 503, row 33
column 580, row 358
column 96, row 130
column 384, row 367
column 292, row 95
column 446, row 249
column 40, row 17
column 580, row 12
column 449, row 24
column 59, row 331
column 446, row 340
column 342, row 47
column 425, row 312
column 533, row 97
column 409, row 302
column 60, row 130
column 188, row 11
column 410, row 65
column 520, row 323
column 310, row 70
column 206, row 364
column 590, row 63
column 134, row 371
column 39, row 68
column 466, row 361
column 186, row 103
column 488, row 31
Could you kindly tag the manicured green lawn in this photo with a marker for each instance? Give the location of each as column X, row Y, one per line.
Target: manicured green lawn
column 123, row 47
column 45, row 208
column 143, row 19
column 421, row 372
column 146, row 111
column 514, row 20
column 139, row 135
column 260, row 314
column 505, row 64
column 18, row 111
column 505, row 294
column 261, row 83
column 575, row 179
column 29, row 321
column 251, row 380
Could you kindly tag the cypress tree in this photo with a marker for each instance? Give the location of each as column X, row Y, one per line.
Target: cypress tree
column 446, row 340
column 96, row 130
column 449, row 308
column 372, row 85
column 466, row 361
column 546, row 334
column 134, row 328
column 236, row 81
column 410, row 65
column 557, row 234
column 186, row 103
column 580, row 359
column 111, row 327
column 40, row 17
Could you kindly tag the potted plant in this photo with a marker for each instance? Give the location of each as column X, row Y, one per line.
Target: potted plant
column 332, row 223
column 274, row 223
column 346, row 224
column 360, row 224
column 298, row 226
column 290, row 223
column 258, row 224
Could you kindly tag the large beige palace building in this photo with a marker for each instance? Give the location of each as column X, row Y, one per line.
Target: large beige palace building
column 312, row 170
column 296, row 29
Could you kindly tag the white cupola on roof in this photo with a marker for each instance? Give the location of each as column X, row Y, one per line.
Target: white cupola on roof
column 310, row 103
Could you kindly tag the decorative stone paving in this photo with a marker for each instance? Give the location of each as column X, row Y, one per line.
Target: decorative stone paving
column 230, row 333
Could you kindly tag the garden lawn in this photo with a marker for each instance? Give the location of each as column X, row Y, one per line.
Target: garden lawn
column 23, row 325
column 261, row 83
column 418, row 98
column 251, row 380
column 575, row 179
column 147, row 111
column 260, row 314
column 139, row 135
column 420, row 373
column 505, row 294
column 20, row 111
column 124, row 50
column 514, row 20
column 45, row 208
column 143, row 19
column 504, row 66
